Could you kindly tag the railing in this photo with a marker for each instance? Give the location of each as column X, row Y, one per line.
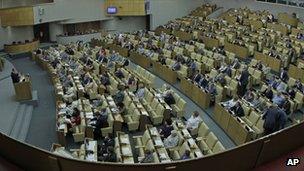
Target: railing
column 296, row 3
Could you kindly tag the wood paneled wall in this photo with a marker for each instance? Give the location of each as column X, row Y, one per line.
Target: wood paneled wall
column 127, row 7
column 21, row 16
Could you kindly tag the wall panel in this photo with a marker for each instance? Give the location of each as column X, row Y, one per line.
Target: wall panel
column 127, row 7
column 20, row 16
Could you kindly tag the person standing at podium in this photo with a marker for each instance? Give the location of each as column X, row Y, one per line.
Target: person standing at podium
column 15, row 76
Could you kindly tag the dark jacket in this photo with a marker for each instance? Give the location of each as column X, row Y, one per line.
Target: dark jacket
column 238, row 111
column 15, row 77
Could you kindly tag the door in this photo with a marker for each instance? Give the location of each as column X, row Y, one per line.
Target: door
column 41, row 32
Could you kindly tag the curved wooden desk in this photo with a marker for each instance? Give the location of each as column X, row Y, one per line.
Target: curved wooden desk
column 21, row 48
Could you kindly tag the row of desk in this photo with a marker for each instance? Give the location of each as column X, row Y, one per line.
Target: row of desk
column 234, row 126
column 296, row 72
column 21, row 48
column 210, row 42
column 239, row 51
column 274, row 63
column 140, row 59
column 199, row 96
column 165, row 72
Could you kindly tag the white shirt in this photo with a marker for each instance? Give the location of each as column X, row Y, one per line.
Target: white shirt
column 193, row 122
column 140, row 93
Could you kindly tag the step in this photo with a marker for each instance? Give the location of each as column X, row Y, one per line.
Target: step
column 12, row 123
column 33, row 101
column 18, row 121
column 26, row 123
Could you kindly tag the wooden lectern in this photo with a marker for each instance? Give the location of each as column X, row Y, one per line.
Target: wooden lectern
column 1, row 64
column 23, row 90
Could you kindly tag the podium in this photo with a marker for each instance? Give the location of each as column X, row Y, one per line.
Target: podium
column 1, row 64
column 23, row 90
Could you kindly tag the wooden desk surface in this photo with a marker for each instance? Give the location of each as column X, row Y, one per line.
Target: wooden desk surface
column 21, row 48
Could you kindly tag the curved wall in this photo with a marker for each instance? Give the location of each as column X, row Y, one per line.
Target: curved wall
column 244, row 157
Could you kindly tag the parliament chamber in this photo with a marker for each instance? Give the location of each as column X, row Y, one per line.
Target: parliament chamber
column 151, row 85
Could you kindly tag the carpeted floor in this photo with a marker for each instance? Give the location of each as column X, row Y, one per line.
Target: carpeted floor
column 42, row 131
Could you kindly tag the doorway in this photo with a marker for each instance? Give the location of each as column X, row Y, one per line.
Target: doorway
column 41, row 32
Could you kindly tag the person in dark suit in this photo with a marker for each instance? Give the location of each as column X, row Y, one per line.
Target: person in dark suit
column 101, row 122
column 243, row 81
column 169, row 98
column 166, row 129
column 203, row 82
column 275, row 119
column 15, row 76
column 197, row 76
column 284, row 75
column 110, row 156
column 268, row 93
column 108, row 141
column 237, row 109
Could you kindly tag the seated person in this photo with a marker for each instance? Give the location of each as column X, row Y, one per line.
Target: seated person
column 235, row 64
column 186, row 155
column 204, row 81
column 197, row 76
column 68, row 81
column 75, row 119
column 110, row 156
column 105, row 79
column 168, row 97
column 256, row 101
column 172, row 140
column 286, row 107
column 249, row 96
column 220, row 78
column 193, row 121
column 120, row 95
column 259, row 65
column 131, row 83
column 292, row 92
column 107, row 142
column 268, row 93
column 121, row 108
column 274, row 83
column 211, row 89
column 15, row 76
column 101, row 122
column 237, row 109
column 148, row 157
column 87, row 79
column 176, row 66
column 299, row 85
column 281, row 86
column 69, row 93
column 140, row 93
column 166, row 129
column 278, row 99
column 119, row 74
column 284, row 75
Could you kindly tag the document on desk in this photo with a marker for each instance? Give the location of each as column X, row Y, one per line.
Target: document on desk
column 90, row 157
column 159, row 143
column 112, row 104
column 124, row 140
column 191, row 143
column 126, row 151
column 92, row 145
column 61, row 126
column 186, row 133
column 198, row 153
